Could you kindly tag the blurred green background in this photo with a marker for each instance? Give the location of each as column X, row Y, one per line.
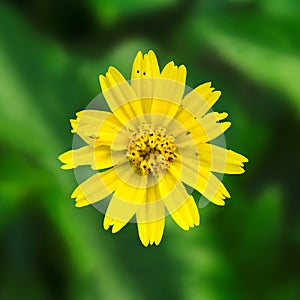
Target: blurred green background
column 51, row 53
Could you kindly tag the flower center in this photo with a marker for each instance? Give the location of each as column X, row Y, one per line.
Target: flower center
column 151, row 150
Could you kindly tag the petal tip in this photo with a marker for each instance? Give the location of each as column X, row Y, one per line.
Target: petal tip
column 82, row 203
column 145, row 242
column 151, row 52
column 66, row 167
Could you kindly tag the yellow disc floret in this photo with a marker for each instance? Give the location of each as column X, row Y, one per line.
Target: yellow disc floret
column 151, row 150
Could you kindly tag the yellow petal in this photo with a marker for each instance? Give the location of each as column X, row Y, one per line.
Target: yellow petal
column 143, row 70
column 162, row 112
column 174, row 73
column 208, row 93
column 220, row 160
column 162, row 89
column 151, row 64
column 187, row 215
column 118, row 213
column 150, row 217
column 74, row 124
column 127, row 197
column 170, row 184
column 136, row 74
column 178, row 202
column 200, row 100
column 201, row 179
column 99, row 158
column 212, row 188
column 129, row 193
column 201, row 130
column 118, row 92
column 125, row 92
column 205, row 89
column 96, row 188
column 172, row 191
column 90, row 123
column 146, row 66
column 170, row 88
column 212, row 126
column 151, row 232
column 116, row 225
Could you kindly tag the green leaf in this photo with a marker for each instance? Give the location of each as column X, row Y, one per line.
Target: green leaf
column 265, row 49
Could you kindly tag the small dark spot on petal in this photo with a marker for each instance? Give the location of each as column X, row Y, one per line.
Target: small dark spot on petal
column 138, row 71
column 144, row 73
column 187, row 133
column 197, row 154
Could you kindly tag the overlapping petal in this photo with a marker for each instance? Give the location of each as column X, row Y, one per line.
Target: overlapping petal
column 117, row 92
column 202, row 180
column 118, row 213
column 187, row 215
column 201, row 130
column 96, row 188
column 201, row 99
column 96, row 127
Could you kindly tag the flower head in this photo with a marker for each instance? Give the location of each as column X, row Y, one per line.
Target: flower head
column 151, row 148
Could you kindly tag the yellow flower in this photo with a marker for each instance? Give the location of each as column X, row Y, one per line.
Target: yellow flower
column 152, row 149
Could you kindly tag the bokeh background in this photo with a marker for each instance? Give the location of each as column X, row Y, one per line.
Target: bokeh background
column 51, row 53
